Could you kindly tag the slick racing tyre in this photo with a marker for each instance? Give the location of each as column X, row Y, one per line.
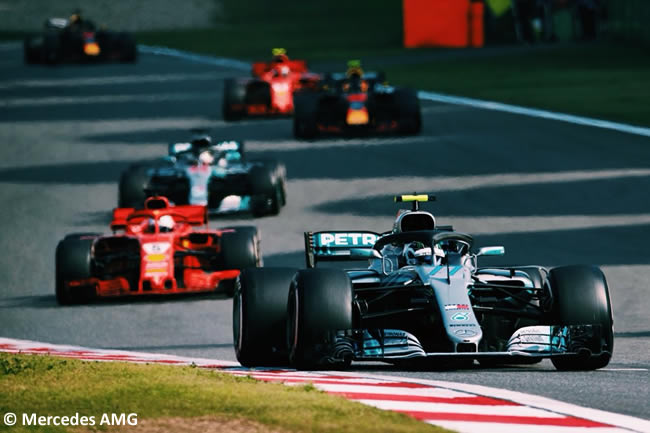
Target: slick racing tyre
column 581, row 297
column 259, row 316
column 51, row 51
column 234, row 99
column 127, row 48
column 73, row 262
column 320, row 304
column 131, row 192
column 408, row 105
column 31, row 51
column 241, row 249
column 267, row 189
column 305, row 106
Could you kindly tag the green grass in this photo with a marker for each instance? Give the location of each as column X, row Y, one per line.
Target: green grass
column 52, row 386
column 601, row 80
column 316, row 30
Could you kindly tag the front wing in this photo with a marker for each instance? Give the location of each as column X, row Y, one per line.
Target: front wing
column 526, row 343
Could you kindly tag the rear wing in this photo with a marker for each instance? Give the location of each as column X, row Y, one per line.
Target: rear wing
column 261, row 68
column 226, row 146
column 336, row 245
column 155, row 207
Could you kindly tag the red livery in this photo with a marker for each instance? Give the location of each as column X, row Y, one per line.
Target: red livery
column 161, row 249
column 270, row 90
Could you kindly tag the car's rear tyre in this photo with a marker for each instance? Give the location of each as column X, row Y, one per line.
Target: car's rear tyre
column 128, row 48
column 31, row 52
column 319, row 305
column 234, row 99
column 240, row 250
column 267, row 189
column 131, row 190
column 259, row 316
column 581, row 297
column 51, row 51
column 409, row 111
column 73, row 262
column 305, row 106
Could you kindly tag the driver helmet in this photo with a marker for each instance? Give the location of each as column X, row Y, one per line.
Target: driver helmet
column 279, row 55
column 166, row 223
column 354, row 69
column 416, row 253
column 206, row 157
column 201, row 141
column 284, row 70
column 75, row 17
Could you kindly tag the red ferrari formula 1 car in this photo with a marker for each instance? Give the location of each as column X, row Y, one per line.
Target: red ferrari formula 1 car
column 161, row 249
column 270, row 90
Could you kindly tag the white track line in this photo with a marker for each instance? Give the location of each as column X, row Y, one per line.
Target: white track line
column 114, row 80
column 428, row 96
column 534, row 112
column 198, row 58
column 108, row 99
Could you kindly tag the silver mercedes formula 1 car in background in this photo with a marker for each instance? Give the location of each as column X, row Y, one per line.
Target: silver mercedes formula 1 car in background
column 422, row 301
column 213, row 174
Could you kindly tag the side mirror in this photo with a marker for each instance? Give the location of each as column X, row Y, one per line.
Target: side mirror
column 491, row 251
column 364, row 253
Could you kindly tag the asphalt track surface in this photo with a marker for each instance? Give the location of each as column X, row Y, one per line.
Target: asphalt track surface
column 552, row 193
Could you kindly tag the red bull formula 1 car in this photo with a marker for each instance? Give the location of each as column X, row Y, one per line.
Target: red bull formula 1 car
column 356, row 103
column 161, row 249
column 270, row 90
column 78, row 40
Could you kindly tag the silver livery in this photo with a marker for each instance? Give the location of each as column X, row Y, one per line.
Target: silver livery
column 423, row 299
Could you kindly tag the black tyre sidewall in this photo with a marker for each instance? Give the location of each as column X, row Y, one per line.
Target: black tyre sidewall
column 266, row 190
column 128, row 48
column 73, row 261
column 319, row 304
column 581, row 297
column 234, row 93
column 305, row 106
column 259, row 316
column 409, row 108
column 240, row 249
column 131, row 191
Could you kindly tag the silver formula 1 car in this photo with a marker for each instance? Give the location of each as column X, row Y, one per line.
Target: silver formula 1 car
column 424, row 300
column 207, row 173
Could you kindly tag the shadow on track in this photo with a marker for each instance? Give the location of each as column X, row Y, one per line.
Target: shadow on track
column 49, row 301
column 613, row 196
